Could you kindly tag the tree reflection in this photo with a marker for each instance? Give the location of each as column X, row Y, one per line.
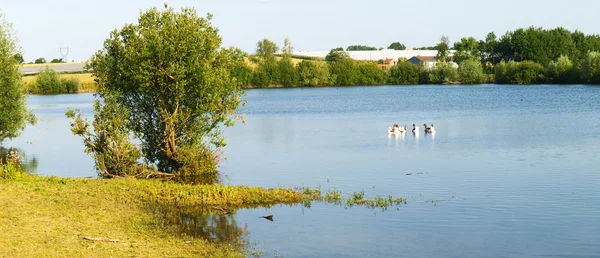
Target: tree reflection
column 29, row 165
column 215, row 226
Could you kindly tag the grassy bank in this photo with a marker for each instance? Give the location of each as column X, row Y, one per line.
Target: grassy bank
column 67, row 217
column 86, row 81
column 50, row 216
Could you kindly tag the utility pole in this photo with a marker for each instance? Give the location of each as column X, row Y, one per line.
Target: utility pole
column 64, row 52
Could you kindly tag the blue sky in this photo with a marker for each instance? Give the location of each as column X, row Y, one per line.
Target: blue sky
column 43, row 27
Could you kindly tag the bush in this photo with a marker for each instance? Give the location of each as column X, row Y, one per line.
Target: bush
column 47, row 82
column 288, row 75
column 443, row 72
column 591, row 68
column 370, row 74
column 561, row 72
column 505, row 72
column 70, row 85
column 529, row 72
column 526, row 72
column 405, row 73
column 344, row 71
column 470, row 72
column 313, row 73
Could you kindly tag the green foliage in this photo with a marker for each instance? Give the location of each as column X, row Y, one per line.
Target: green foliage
column 466, row 49
column 397, row 46
column 336, row 54
column 442, row 73
column 405, row 73
column 470, row 72
column 370, row 74
column 19, row 58
column 47, row 82
column 56, row 61
column 288, row 73
column 70, row 85
column 243, row 73
column 443, row 49
column 40, row 60
column 344, row 71
column 266, row 49
column 543, row 46
column 167, row 84
column 505, row 72
column 562, row 71
column 313, row 73
column 487, row 49
column 525, row 72
column 360, row 48
column 268, row 71
column 13, row 110
column 287, row 70
column 426, row 48
column 591, row 68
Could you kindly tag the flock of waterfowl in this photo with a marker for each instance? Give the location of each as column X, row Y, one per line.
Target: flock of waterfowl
column 396, row 130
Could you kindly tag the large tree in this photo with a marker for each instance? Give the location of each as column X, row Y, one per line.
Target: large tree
column 13, row 110
column 167, row 82
column 443, row 49
column 397, row 46
column 466, row 49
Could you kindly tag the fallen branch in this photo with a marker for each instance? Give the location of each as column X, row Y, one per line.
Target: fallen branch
column 101, row 239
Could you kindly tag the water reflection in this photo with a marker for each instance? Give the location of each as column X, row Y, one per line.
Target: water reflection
column 29, row 165
column 217, row 226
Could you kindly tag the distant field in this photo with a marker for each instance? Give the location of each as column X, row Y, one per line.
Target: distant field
column 50, row 64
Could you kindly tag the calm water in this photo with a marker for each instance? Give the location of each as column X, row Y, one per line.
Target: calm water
column 512, row 171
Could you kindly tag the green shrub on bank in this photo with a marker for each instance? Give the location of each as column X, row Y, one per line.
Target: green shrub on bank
column 443, row 72
column 562, row 71
column 312, row 73
column 526, row 72
column 70, row 85
column 470, row 72
column 405, row 73
column 48, row 82
column 591, row 68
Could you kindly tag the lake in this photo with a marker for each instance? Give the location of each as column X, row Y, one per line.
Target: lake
column 512, row 171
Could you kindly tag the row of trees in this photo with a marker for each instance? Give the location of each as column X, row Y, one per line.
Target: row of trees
column 20, row 60
column 340, row 69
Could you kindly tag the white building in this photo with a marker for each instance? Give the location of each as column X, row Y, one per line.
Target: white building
column 374, row 55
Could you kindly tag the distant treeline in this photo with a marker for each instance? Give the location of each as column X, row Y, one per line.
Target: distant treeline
column 523, row 56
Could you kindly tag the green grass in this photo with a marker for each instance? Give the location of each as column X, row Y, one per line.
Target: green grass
column 47, row 216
